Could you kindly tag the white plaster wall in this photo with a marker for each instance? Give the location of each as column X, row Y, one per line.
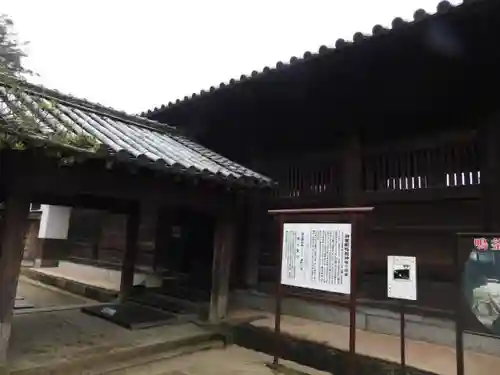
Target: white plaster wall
column 54, row 222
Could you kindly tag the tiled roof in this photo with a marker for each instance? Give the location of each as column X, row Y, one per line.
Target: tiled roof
column 358, row 38
column 127, row 137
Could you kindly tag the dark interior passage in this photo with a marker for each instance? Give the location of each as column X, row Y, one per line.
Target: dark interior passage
column 184, row 253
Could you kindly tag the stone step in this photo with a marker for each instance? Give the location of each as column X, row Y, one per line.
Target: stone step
column 153, row 364
column 309, row 353
column 112, row 360
column 162, row 365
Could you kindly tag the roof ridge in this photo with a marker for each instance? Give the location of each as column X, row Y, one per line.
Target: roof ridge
column 397, row 23
column 87, row 105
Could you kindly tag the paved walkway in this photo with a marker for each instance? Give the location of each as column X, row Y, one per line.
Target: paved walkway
column 89, row 275
column 50, row 338
column 233, row 360
column 425, row 356
column 43, row 296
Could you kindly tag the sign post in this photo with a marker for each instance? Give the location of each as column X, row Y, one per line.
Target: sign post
column 476, row 258
column 316, row 254
column 402, row 285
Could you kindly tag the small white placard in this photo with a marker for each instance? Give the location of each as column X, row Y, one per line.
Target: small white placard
column 402, row 277
column 317, row 256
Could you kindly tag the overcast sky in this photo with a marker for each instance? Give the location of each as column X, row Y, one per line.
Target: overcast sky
column 135, row 55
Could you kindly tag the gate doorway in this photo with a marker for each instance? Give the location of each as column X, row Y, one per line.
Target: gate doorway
column 184, row 254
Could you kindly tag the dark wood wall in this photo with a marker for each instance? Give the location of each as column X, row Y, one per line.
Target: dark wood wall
column 98, row 237
column 397, row 121
column 424, row 190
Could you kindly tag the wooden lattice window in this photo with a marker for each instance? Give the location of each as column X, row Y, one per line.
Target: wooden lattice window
column 446, row 165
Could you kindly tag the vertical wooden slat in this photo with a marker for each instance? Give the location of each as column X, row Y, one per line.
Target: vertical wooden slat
column 407, row 173
column 398, row 171
column 464, row 164
column 367, row 173
column 295, row 182
column 384, row 173
column 317, row 177
column 301, row 180
column 417, row 169
column 332, row 181
column 453, row 165
column 428, row 168
column 321, row 178
column 414, row 169
column 445, row 158
column 471, row 165
column 390, row 171
column 477, row 163
column 369, row 166
column 291, row 182
column 439, row 167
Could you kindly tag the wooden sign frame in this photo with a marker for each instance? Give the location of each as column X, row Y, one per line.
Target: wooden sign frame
column 459, row 297
column 351, row 215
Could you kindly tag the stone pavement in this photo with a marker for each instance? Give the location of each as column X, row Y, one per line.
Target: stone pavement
column 425, row 356
column 91, row 282
column 43, row 296
column 421, row 355
column 46, row 340
column 233, row 360
column 103, row 278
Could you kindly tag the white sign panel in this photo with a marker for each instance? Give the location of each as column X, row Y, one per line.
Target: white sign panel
column 402, row 277
column 317, row 256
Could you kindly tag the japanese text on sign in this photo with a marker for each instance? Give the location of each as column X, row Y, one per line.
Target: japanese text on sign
column 317, row 256
column 487, row 244
column 402, row 277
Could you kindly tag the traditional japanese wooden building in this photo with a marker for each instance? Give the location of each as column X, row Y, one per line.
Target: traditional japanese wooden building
column 405, row 120
column 64, row 152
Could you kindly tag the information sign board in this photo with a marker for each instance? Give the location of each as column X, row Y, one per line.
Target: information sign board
column 317, row 256
column 402, row 277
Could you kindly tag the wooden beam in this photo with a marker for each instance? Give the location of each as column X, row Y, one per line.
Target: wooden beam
column 91, row 180
column 130, row 255
column 221, row 268
column 17, row 205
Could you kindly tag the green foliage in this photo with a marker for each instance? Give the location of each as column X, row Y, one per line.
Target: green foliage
column 20, row 121
column 11, row 50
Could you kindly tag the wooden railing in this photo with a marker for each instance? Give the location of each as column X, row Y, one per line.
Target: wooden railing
column 308, row 177
column 433, row 170
column 443, row 164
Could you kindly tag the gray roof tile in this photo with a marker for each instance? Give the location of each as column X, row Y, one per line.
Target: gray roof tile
column 358, row 38
column 123, row 135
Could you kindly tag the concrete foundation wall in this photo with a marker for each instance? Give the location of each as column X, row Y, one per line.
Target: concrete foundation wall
column 432, row 330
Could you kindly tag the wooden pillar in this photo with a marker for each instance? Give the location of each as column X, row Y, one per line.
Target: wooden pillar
column 131, row 249
column 147, row 235
column 15, row 225
column 256, row 219
column 352, row 188
column 489, row 139
column 221, row 268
